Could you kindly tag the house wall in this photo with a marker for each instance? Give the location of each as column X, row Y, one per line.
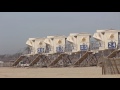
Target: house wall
column 59, row 42
column 39, row 43
column 83, row 39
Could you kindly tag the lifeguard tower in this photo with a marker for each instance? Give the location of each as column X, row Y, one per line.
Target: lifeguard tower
column 55, row 48
column 109, row 48
column 81, row 52
column 37, row 47
column 108, row 42
column 40, row 50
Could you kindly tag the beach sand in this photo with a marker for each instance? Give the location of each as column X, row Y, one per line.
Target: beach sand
column 69, row 72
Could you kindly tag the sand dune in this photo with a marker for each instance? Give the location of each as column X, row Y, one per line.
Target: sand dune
column 79, row 72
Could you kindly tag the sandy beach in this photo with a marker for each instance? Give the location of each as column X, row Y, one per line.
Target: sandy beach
column 79, row 72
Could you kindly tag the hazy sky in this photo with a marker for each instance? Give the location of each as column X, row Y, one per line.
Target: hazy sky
column 17, row 27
